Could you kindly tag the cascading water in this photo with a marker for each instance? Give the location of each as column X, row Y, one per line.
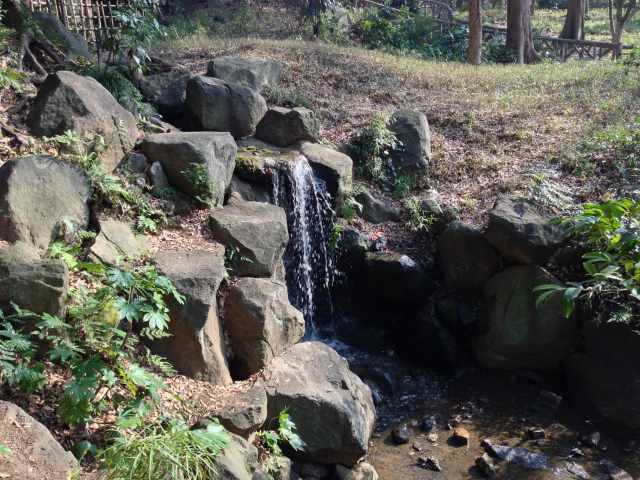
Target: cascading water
column 307, row 260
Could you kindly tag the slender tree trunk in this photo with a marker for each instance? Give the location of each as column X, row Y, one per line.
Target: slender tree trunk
column 519, row 31
column 574, row 21
column 474, row 55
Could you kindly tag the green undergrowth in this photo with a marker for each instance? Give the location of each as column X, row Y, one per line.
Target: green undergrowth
column 109, row 191
column 613, row 154
column 608, row 234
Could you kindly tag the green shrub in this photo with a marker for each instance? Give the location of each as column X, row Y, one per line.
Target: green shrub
column 350, row 208
column 372, row 148
column 198, row 175
column 418, row 220
column 138, row 28
column 609, row 233
column 119, row 84
column 403, row 184
column 98, row 342
column 165, row 448
column 108, row 190
column 285, row 433
column 614, row 152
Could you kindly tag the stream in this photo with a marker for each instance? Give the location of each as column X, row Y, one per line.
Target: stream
column 512, row 409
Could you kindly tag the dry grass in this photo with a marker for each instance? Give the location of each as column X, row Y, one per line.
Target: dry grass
column 494, row 127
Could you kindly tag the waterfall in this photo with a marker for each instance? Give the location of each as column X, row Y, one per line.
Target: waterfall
column 308, row 262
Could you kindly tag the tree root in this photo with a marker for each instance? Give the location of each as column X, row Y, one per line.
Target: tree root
column 26, row 53
column 14, row 133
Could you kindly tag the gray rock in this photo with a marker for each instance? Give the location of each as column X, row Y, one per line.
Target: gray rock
column 158, row 178
column 520, row 233
column 38, row 285
column 520, row 456
column 167, row 91
column 465, row 257
column 430, row 463
column 577, row 471
column 253, row 72
column 42, row 199
column 258, row 233
column 35, row 454
column 412, row 131
column 68, row 101
column 224, row 107
column 613, row 471
column 137, row 162
column 71, row 44
column 117, row 242
column 244, row 413
column 332, row 408
column 394, row 277
column 286, row 126
column 247, row 191
column 199, row 164
column 335, row 168
column 238, row 461
column 261, row 322
column 196, row 345
column 605, row 377
column 361, row 471
column 521, row 335
column 375, row 210
column 401, row 434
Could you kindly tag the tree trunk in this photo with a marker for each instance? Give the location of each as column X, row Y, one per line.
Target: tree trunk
column 574, row 21
column 519, row 31
column 475, row 32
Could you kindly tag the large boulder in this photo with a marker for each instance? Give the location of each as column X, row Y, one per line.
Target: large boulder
column 261, row 322
column 35, row 454
column 394, row 277
column 412, row 131
column 68, row 101
column 199, row 164
column 41, row 199
column 253, row 72
column 38, row 285
column 117, row 242
column 375, row 210
column 256, row 232
column 521, row 334
column 332, row 408
column 465, row 257
column 224, row 107
column 605, row 375
column 285, row 126
column 167, row 91
column 521, row 233
column 196, row 344
column 335, row 168
column 71, row 44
